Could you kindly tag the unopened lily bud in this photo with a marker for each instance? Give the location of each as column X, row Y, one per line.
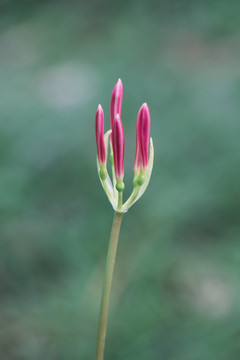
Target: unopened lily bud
column 118, row 143
column 143, row 134
column 116, row 102
column 136, row 165
column 99, row 129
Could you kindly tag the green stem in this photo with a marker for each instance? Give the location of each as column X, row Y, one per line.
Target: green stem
column 131, row 198
column 107, row 282
column 120, row 197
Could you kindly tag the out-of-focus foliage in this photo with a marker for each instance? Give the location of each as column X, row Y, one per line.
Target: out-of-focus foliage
column 176, row 293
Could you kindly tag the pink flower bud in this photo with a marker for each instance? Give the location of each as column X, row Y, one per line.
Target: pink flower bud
column 99, row 129
column 116, row 102
column 142, row 141
column 118, row 143
column 137, row 153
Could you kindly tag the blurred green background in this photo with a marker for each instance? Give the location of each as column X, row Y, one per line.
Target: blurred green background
column 176, row 292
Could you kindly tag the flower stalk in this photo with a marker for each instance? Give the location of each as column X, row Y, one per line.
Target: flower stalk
column 107, row 284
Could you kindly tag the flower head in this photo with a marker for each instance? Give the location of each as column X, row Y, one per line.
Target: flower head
column 143, row 162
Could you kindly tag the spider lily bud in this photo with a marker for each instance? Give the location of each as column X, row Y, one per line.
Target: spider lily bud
column 143, row 133
column 118, row 143
column 142, row 144
column 136, row 165
column 116, row 102
column 101, row 151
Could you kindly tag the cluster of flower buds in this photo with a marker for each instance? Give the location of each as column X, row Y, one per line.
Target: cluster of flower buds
column 114, row 138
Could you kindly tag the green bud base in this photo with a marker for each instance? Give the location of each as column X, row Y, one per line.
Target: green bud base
column 140, row 180
column 120, row 186
column 103, row 174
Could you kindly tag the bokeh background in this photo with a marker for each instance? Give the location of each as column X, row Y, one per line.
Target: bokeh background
column 176, row 292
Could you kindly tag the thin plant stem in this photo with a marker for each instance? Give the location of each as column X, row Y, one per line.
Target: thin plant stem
column 120, row 197
column 107, row 282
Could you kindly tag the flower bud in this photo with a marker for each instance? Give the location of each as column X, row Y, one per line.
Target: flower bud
column 136, row 165
column 143, row 133
column 116, row 102
column 118, row 143
column 99, row 129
